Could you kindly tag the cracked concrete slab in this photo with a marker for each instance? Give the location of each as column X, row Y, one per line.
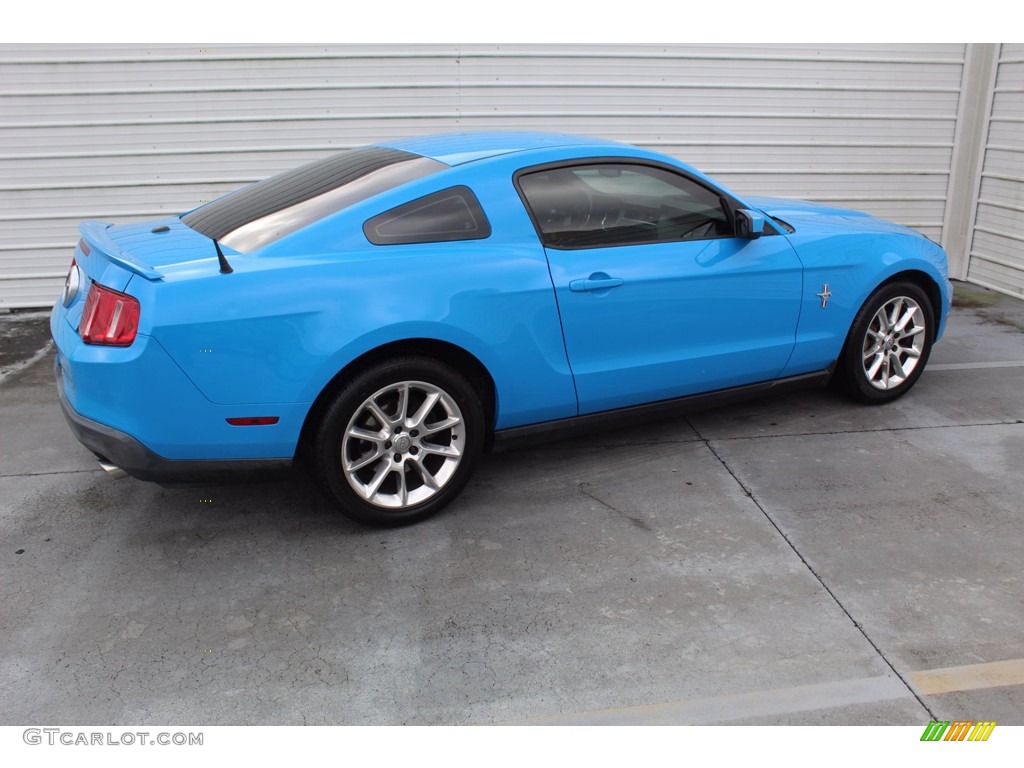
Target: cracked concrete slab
column 264, row 607
column 916, row 532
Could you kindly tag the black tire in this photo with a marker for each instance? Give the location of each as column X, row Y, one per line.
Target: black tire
column 882, row 359
column 387, row 463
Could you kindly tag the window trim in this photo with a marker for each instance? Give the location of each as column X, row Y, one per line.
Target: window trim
column 731, row 203
column 472, row 202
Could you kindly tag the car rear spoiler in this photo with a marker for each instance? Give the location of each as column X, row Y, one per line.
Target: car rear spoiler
column 95, row 234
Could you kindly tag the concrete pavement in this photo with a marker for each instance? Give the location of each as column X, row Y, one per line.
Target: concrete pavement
column 802, row 559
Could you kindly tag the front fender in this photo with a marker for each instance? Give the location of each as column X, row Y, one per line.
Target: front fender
column 853, row 266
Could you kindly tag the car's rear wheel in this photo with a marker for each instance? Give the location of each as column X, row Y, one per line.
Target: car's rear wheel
column 400, row 441
column 889, row 343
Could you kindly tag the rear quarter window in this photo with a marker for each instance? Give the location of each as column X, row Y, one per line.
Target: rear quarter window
column 449, row 215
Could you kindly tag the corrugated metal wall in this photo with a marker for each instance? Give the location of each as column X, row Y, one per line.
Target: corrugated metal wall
column 997, row 252
column 118, row 132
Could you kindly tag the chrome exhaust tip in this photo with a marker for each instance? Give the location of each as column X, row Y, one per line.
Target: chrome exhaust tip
column 112, row 470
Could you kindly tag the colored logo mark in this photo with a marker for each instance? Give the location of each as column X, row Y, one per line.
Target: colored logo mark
column 958, row 730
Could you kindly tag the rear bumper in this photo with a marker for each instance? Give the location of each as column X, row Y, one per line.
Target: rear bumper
column 124, row 451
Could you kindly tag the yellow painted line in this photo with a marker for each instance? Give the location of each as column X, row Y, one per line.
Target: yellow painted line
column 802, row 698
column 974, row 366
column 968, row 678
column 742, row 706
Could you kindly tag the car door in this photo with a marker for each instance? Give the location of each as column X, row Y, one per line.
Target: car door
column 657, row 296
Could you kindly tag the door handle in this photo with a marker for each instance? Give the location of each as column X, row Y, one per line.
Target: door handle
column 598, row 281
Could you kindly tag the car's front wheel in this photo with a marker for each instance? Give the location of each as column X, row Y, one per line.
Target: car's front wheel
column 400, row 441
column 889, row 343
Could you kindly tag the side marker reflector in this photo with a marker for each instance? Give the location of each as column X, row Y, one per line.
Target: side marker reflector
column 252, row 421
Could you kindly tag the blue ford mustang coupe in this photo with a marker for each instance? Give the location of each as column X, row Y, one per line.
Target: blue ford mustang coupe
column 389, row 313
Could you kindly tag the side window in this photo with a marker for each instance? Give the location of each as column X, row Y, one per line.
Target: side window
column 590, row 206
column 451, row 214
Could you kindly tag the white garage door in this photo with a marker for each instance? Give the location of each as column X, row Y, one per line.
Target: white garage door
column 120, row 133
column 997, row 251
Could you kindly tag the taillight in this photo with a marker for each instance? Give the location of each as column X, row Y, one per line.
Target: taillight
column 109, row 317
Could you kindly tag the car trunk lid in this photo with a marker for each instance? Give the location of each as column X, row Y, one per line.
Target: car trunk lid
column 152, row 249
column 112, row 255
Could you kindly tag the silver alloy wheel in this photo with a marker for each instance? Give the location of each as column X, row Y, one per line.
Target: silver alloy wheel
column 893, row 343
column 403, row 444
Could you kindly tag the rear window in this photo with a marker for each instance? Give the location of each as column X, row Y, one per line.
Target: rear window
column 445, row 216
column 270, row 209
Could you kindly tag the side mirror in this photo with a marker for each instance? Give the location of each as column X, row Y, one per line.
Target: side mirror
column 749, row 224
